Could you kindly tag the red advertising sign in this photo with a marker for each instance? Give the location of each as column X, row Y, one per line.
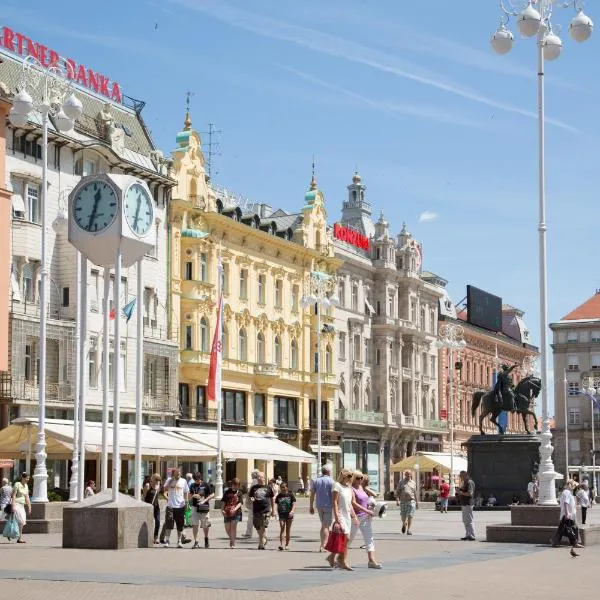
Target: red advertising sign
column 17, row 43
column 443, row 414
column 345, row 234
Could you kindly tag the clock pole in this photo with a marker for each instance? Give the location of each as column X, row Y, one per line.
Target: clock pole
column 74, row 481
column 105, row 379
column 82, row 375
column 139, row 381
column 116, row 456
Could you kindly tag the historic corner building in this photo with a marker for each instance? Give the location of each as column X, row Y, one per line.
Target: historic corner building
column 576, row 353
column 386, row 327
column 110, row 136
column 269, row 338
column 475, row 367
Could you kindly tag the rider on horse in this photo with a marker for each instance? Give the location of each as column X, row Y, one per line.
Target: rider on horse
column 504, row 388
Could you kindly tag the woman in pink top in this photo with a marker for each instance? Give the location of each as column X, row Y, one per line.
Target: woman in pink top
column 360, row 504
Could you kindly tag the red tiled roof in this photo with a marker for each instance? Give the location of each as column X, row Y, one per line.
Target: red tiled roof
column 590, row 309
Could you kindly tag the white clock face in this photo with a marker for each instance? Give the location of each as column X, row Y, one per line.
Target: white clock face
column 95, row 207
column 138, row 209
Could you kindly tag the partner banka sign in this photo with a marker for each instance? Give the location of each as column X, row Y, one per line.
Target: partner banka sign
column 20, row 44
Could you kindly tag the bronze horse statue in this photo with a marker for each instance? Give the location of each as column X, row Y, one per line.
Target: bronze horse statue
column 525, row 393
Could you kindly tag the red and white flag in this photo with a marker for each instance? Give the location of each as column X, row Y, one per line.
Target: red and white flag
column 216, row 358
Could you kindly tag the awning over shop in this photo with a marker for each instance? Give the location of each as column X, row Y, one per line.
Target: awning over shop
column 326, row 449
column 428, row 461
column 257, row 446
column 176, row 442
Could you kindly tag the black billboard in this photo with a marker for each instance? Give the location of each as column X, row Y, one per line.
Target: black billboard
column 484, row 309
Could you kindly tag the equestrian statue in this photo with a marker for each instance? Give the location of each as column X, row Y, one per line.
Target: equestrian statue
column 508, row 397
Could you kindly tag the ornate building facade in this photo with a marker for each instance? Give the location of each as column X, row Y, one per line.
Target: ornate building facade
column 387, row 399
column 109, row 136
column 475, row 367
column 269, row 337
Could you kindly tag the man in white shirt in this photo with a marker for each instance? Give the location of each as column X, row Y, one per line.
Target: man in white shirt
column 177, row 493
column 568, row 514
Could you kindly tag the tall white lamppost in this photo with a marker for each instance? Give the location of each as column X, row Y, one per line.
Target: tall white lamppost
column 49, row 92
column 451, row 337
column 591, row 387
column 534, row 19
column 417, row 468
column 566, row 417
column 321, row 294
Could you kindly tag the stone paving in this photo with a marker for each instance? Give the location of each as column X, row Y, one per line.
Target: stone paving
column 431, row 563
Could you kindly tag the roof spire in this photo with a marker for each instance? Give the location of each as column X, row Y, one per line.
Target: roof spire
column 187, row 123
column 313, row 181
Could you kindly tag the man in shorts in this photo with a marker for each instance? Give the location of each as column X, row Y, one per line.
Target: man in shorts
column 320, row 496
column 406, row 497
column 263, row 507
column 201, row 494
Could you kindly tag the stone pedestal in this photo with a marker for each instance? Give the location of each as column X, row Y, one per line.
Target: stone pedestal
column 45, row 517
column 502, row 465
column 100, row 523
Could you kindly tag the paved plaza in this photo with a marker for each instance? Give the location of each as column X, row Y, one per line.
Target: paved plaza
column 432, row 563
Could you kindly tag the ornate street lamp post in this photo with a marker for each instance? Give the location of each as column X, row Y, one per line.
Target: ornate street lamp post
column 450, row 336
column 320, row 293
column 590, row 386
column 534, row 19
column 52, row 97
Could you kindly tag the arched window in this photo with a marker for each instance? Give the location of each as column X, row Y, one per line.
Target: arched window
column 294, row 355
column 203, row 335
column 242, row 345
column 225, row 342
column 277, row 348
column 260, row 348
column 328, row 359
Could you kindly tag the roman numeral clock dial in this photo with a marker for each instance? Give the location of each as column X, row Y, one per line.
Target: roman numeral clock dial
column 95, row 207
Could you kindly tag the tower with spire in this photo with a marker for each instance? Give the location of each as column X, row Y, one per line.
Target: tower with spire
column 356, row 211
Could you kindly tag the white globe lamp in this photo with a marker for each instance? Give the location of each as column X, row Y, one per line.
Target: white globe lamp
column 529, row 21
column 552, row 46
column 502, row 41
column 581, row 27
column 72, row 107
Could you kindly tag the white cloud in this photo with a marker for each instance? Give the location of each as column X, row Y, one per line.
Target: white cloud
column 427, row 216
column 350, row 50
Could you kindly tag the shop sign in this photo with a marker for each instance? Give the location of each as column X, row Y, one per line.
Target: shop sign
column 20, row 44
column 350, row 236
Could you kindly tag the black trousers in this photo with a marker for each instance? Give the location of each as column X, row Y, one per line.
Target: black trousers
column 583, row 514
column 567, row 528
column 156, row 520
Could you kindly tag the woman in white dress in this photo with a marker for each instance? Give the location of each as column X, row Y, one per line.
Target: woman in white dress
column 341, row 499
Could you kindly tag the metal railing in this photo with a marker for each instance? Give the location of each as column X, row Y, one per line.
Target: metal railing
column 27, row 390
column 359, row 416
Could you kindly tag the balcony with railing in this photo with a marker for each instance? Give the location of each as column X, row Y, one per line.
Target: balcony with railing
column 267, row 370
column 197, row 290
column 25, row 390
column 418, row 422
column 358, row 366
column 393, row 371
column 364, row 417
column 160, row 403
column 27, row 239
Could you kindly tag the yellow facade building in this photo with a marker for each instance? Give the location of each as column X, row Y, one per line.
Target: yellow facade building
column 269, row 337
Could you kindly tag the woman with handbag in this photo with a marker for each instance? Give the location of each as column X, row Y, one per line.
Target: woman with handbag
column 341, row 499
column 232, row 502
column 151, row 497
column 20, row 500
column 568, row 513
column 365, row 514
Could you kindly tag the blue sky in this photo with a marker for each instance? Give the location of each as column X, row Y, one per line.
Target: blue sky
column 409, row 92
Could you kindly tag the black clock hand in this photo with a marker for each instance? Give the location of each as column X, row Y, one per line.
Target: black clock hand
column 97, row 198
column 137, row 212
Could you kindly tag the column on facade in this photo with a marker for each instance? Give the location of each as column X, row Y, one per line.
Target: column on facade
column 193, row 402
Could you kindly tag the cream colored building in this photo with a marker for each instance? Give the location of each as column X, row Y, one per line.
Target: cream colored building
column 268, row 378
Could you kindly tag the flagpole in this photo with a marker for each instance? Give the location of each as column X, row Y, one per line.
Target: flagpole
column 105, row 378
column 139, row 382
column 218, row 394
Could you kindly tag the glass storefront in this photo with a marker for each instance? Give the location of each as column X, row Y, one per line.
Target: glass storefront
column 364, row 456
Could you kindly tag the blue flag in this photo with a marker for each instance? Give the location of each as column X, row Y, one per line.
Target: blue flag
column 128, row 309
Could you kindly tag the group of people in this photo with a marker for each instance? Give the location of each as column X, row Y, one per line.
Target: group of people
column 572, row 494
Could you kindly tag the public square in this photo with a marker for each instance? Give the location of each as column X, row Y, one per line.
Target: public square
column 432, row 563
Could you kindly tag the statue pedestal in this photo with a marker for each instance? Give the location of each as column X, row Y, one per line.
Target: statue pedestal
column 99, row 523
column 502, row 465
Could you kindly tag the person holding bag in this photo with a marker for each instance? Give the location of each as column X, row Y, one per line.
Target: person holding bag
column 568, row 513
column 232, row 502
column 151, row 497
column 343, row 517
column 20, row 500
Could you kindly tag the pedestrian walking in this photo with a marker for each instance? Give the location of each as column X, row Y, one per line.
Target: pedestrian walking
column 466, row 498
column 321, row 497
column 364, row 514
column 151, row 496
column 177, row 493
column 232, row 503
column 406, row 497
column 201, row 495
column 249, row 525
column 263, row 507
column 344, row 516
column 286, row 507
column 21, row 505
column 444, row 496
column 532, row 491
column 583, row 498
column 5, row 496
column 568, row 513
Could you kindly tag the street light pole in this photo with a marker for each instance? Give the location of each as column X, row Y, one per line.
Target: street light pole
column 451, row 337
column 591, row 387
column 534, row 19
column 566, row 390
column 52, row 97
